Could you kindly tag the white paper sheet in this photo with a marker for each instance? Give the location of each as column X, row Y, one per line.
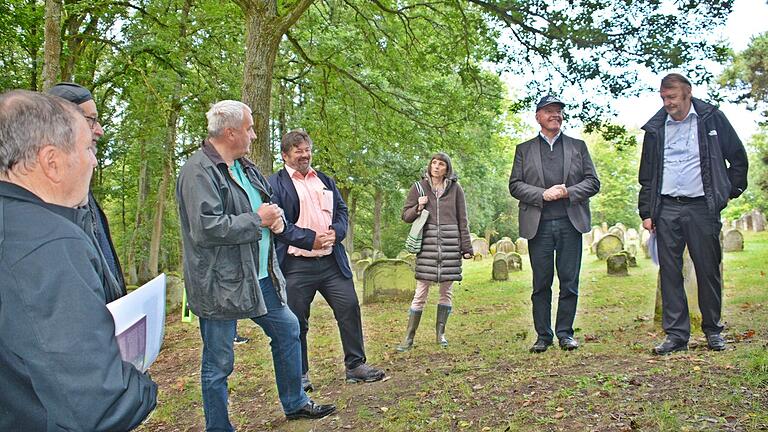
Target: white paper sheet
column 140, row 323
column 653, row 249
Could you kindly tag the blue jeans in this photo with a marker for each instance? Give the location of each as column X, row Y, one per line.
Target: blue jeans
column 282, row 327
column 557, row 244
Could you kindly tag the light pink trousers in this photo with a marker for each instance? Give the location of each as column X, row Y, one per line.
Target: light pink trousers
column 422, row 291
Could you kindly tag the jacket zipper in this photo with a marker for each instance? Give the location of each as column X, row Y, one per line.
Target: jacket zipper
column 439, row 249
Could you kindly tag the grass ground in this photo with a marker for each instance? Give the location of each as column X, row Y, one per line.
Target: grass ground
column 487, row 381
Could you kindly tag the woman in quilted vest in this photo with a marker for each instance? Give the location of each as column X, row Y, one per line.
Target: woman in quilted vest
column 445, row 241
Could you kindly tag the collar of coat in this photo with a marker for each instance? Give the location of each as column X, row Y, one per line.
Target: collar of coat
column 703, row 110
column 210, row 151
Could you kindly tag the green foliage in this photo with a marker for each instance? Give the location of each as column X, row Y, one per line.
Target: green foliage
column 747, row 74
column 616, row 163
column 756, row 195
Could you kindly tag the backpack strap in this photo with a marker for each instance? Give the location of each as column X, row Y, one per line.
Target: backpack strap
column 420, row 189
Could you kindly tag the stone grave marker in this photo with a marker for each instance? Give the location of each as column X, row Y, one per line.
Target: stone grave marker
column 521, row 246
column 505, row 245
column 617, row 264
column 480, row 246
column 607, row 246
column 500, row 267
column 733, row 241
column 514, row 262
column 359, row 267
column 388, row 280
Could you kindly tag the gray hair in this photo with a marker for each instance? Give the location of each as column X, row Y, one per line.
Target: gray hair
column 225, row 114
column 29, row 121
column 293, row 139
column 675, row 79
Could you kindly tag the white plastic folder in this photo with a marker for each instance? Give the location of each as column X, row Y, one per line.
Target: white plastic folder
column 653, row 249
column 140, row 323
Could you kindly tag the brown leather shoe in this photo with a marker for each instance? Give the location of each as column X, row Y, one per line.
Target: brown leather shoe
column 364, row 373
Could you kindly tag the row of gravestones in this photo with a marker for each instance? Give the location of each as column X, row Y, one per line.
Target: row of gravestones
column 752, row 221
column 481, row 247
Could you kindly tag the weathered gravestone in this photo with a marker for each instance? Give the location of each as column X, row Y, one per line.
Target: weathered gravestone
column 174, row 291
column 733, row 241
column 514, row 262
column 521, row 246
column 632, row 241
column 387, row 280
column 597, row 234
column 408, row 257
column 366, row 252
column 480, row 246
column 586, row 240
column 748, row 225
column 604, row 227
column 355, row 257
column 631, row 260
column 618, row 232
column 500, row 270
column 359, row 267
column 758, row 221
column 505, row 245
column 645, row 235
column 617, row 264
column 477, row 257
column 607, row 246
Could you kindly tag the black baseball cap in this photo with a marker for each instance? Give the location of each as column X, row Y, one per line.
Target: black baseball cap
column 72, row 92
column 549, row 100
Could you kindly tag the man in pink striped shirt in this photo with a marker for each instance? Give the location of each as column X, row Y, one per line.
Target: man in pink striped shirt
column 312, row 256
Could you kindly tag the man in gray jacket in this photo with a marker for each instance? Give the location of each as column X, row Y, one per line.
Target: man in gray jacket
column 553, row 178
column 60, row 365
column 230, row 268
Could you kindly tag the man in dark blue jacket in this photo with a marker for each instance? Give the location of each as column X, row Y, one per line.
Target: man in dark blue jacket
column 684, row 184
column 312, row 256
column 60, row 365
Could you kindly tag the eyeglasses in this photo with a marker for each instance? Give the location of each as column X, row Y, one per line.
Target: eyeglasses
column 92, row 121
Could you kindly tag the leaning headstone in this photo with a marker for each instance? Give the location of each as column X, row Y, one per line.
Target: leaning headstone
column 521, row 246
column 621, row 225
column 607, row 246
column 480, row 246
column 505, row 245
column 359, row 267
column 758, row 221
column 500, row 270
column 617, row 264
column 387, row 280
column 733, row 241
column 514, row 262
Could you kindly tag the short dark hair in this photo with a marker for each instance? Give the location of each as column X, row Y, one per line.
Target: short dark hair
column 293, row 139
column 29, row 121
column 674, row 80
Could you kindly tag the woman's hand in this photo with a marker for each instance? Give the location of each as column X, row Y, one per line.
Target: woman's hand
column 467, row 255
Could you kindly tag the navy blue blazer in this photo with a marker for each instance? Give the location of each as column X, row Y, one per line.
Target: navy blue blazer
column 284, row 194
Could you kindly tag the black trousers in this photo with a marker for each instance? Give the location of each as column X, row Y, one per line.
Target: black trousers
column 306, row 276
column 557, row 245
column 680, row 224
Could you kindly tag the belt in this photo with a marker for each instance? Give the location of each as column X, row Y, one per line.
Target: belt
column 684, row 199
column 314, row 258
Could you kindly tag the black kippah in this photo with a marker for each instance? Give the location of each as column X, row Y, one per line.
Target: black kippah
column 72, row 92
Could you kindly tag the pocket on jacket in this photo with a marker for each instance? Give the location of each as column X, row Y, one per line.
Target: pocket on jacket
column 227, row 266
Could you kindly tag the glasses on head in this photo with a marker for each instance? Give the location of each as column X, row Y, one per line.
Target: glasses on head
column 92, row 121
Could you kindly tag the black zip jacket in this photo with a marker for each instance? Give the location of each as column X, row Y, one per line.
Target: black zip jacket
column 718, row 143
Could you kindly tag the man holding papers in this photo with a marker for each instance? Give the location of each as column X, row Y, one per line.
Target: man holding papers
column 60, row 365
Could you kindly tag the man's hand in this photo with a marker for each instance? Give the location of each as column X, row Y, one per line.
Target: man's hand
column 648, row 224
column 556, row 192
column 269, row 213
column 278, row 226
column 324, row 240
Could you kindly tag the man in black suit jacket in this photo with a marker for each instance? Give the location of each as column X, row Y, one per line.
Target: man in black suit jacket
column 312, row 256
column 553, row 177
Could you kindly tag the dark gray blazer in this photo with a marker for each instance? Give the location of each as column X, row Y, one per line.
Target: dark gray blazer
column 526, row 183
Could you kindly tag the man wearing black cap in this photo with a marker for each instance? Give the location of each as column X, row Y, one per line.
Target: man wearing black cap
column 553, row 177
column 80, row 96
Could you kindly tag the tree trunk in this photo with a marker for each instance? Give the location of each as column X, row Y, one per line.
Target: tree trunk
column 261, row 45
column 131, row 264
column 169, row 157
column 52, row 46
column 378, row 203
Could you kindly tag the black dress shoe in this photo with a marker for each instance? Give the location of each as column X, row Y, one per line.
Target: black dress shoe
column 715, row 342
column 568, row 344
column 312, row 411
column 669, row 346
column 540, row 346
